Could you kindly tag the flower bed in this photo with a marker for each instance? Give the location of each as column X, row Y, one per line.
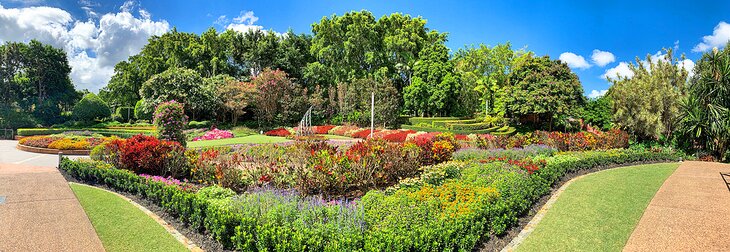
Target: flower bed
column 63, row 141
column 450, row 206
column 214, row 134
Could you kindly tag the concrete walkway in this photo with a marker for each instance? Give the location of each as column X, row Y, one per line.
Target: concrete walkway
column 690, row 212
column 38, row 210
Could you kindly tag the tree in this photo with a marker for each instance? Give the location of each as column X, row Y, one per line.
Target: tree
column 544, row 87
column 278, row 99
column 234, row 96
column 484, row 72
column 705, row 117
column 598, row 112
column 34, row 79
column 647, row 105
column 355, row 103
column 434, row 89
column 182, row 85
column 91, row 108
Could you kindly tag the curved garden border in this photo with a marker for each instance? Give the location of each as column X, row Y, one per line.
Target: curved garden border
column 527, row 223
column 169, row 228
column 51, row 151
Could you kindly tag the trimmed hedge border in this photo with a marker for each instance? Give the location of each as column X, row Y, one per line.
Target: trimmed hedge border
column 235, row 231
column 52, row 151
column 124, row 133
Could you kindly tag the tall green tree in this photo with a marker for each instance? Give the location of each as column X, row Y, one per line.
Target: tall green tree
column 598, row 112
column 184, row 86
column 484, row 72
column 705, row 117
column 544, row 87
column 434, row 89
column 648, row 104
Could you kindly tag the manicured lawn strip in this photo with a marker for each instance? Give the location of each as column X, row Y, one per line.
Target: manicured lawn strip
column 252, row 139
column 120, row 225
column 599, row 211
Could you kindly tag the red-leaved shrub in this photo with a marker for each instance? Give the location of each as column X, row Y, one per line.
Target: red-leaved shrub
column 278, row 132
column 324, row 129
column 363, row 133
column 146, row 154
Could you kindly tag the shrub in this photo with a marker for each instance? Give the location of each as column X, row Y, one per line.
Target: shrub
column 91, row 108
column 141, row 112
column 364, row 133
column 124, row 114
column 199, row 125
column 170, row 120
column 324, row 129
column 146, row 154
column 282, row 132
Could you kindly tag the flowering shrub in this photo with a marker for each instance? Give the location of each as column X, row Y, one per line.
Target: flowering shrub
column 282, row 132
column 170, row 120
column 324, row 129
column 363, row 133
column 579, row 141
column 184, row 185
column 467, row 154
column 343, row 130
column 214, row 134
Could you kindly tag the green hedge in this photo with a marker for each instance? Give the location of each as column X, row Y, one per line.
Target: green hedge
column 470, row 126
column 124, row 133
column 430, row 129
column 447, row 124
column 430, row 120
column 413, row 216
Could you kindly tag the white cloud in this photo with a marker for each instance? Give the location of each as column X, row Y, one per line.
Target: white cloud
column 574, row 61
column 93, row 48
column 596, row 93
column 720, row 36
column 688, row 65
column 602, row 58
column 621, row 70
column 243, row 23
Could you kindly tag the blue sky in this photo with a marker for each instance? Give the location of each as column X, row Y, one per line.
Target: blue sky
column 573, row 29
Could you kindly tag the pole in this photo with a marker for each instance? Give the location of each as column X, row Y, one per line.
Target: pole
column 372, row 113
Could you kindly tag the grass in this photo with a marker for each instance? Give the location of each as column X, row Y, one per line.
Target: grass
column 252, row 139
column 120, row 225
column 599, row 211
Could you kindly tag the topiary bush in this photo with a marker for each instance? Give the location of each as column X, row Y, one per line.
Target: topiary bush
column 91, row 108
column 170, row 120
column 140, row 111
column 124, row 114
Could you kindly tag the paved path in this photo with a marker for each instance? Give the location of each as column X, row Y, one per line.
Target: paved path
column 690, row 212
column 38, row 210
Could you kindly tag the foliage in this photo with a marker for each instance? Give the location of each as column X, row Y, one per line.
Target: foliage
column 124, row 114
column 170, row 120
column 486, row 71
column 34, row 79
column 91, row 108
column 543, row 86
column 599, row 112
column 355, row 101
column 705, row 117
column 279, row 101
column 233, row 95
column 647, row 105
column 434, row 88
column 143, row 154
column 141, row 112
column 278, row 132
column 182, row 85
column 579, row 141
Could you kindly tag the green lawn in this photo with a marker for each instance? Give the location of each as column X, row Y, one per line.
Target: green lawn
column 599, row 211
column 120, row 225
column 252, row 139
